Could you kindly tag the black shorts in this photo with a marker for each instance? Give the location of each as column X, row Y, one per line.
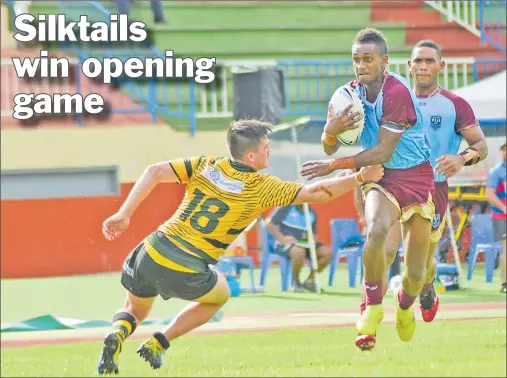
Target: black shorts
column 286, row 251
column 499, row 231
column 145, row 278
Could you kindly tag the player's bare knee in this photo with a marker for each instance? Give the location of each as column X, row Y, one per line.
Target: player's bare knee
column 297, row 256
column 297, row 253
column 377, row 230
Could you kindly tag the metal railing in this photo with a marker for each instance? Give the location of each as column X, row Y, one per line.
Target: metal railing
column 484, row 18
column 12, row 85
column 493, row 23
column 483, row 68
column 308, row 84
column 76, row 83
column 463, row 12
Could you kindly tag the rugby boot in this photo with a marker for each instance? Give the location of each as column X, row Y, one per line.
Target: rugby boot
column 428, row 303
column 367, row 326
column 108, row 363
column 405, row 320
column 152, row 350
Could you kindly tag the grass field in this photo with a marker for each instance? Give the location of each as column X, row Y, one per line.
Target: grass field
column 98, row 296
column 309, row 334
column 440, row 349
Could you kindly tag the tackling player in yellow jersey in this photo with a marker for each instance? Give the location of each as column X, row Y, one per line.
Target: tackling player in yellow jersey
column 223, row 196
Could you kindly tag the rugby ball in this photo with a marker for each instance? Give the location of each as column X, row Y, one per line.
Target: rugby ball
column 341, row 98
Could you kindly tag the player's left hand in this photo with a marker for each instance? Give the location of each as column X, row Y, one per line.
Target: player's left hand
column 449, row 165
column 316, row 168
column 114, row 226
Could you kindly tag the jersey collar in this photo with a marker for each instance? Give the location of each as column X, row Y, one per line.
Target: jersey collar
column 240, row 166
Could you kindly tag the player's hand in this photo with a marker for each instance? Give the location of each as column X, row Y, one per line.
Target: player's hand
column 114, row 226
column 317, row 168
column 373, row 173
column 288, row 240
column 337, row 124
column 449, row 165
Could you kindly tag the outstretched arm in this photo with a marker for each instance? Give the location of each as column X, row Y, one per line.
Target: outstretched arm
column 179, row 170
column 273, row 191
column 327, row 189
column 149, row 179
column 381, row 153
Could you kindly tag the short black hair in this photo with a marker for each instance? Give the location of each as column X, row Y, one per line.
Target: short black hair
column 245, row 135
column 370, row 35
column 432, row 45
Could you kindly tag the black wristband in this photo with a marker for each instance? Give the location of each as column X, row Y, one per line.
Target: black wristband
column 471, row 156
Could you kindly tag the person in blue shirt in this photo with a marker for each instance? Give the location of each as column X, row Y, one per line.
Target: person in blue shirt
column 288, row 225
column 393, row 136
column 447, row 120
column 496, row 187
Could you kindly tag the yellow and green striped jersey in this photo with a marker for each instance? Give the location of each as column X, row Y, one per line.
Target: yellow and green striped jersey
column 222, row 198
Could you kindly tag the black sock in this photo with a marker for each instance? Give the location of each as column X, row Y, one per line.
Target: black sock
column 161, row 339
column 124, row 324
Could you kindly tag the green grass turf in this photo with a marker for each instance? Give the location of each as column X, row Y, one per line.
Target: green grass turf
column 446, row 348
column 95, row 297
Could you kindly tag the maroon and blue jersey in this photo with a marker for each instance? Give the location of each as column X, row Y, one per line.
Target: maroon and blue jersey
column 395, row 106
column 445, row 116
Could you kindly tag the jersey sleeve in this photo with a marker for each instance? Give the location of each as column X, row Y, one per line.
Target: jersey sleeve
column 465, row 117
column 273, row 191
column 493, row 179
column 399, row 111
column 184, row 168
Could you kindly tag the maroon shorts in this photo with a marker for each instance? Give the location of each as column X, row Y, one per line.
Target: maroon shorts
column 440, row 200
column 412, row 190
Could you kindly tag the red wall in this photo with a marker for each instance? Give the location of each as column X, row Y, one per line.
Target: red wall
column 53, row 237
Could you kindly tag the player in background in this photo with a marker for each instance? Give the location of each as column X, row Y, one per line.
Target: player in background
column 447, row 120
column 496, row 187
column 393, row 136
column 223, row 196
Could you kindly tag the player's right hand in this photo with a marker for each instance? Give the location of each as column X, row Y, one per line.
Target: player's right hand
column 339, row 123
column 114, row 226
column 373, row 173
column 317, row 168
